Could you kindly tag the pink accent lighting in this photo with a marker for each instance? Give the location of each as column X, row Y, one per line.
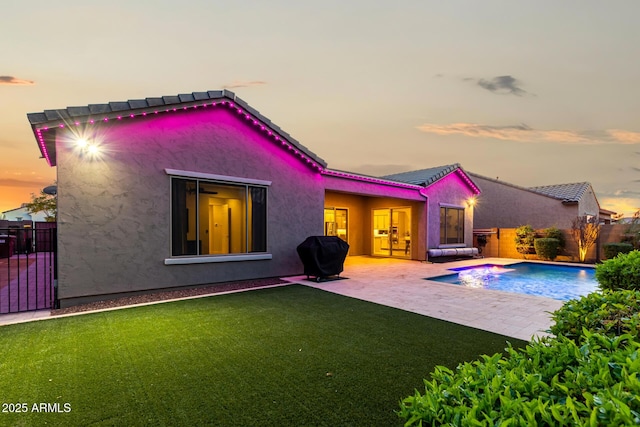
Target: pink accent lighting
column 251, row 120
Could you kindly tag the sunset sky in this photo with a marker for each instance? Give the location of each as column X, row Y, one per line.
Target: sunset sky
column 531, row 92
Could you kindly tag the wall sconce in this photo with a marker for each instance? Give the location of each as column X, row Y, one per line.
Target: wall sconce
column 471, row 202
column 88, row 148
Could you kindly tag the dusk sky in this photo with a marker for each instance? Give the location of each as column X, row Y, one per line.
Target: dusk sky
column 532, row 92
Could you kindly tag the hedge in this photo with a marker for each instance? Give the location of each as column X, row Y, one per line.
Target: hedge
column 621, row 272
column 547, row 248
column 611, row 313
column 613, row 249
column 554, row 382
column 585, row 376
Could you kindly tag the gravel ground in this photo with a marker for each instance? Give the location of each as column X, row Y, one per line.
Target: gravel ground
column 161, row 296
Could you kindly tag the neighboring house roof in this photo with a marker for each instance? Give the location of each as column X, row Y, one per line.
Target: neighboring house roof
column 43, row 122
column 473, row 174
column 566, row 192
column 15, row 209
column 607, row 212
column 23, row 213
column 429, row 176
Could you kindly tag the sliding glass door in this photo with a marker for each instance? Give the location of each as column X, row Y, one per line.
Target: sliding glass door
column 392, row 232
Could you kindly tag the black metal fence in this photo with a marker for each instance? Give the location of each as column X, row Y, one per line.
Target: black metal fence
column 28, row 268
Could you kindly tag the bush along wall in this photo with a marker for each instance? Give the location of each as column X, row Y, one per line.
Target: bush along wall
column 555, row 233
column 525, row 235
column 621, row 272
column 585, row 376
column 613, row 249
column 547, row 248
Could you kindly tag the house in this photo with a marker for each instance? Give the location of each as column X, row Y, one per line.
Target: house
column 451, row 197
column 23, row 214
column 505, row 205
column 201, row 188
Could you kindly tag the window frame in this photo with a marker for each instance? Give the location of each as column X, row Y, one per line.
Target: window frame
column 446, row 207
column 247, row 183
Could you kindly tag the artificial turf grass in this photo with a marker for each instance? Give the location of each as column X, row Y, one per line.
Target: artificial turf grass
column 283, row 356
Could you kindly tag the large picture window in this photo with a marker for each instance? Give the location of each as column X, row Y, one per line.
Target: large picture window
column 451, row 225
column 217, row 218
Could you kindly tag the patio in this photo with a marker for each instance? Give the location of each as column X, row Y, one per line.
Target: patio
column 400, row 284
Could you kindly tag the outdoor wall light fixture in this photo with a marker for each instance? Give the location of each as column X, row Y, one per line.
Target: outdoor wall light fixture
column 87, row 148
column 471, row 202
column 251, row 120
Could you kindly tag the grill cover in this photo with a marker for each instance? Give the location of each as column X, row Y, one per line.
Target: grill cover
column 323, row 256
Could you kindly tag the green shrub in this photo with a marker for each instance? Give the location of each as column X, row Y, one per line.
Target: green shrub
column 613, row 249
column 621, row 272
column 610, row 313
column 547, row 248
column 525, row 235
column 555, row 233
column 552, row 382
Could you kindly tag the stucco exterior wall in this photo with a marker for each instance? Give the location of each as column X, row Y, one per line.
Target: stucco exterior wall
column 451, row 191
column 588, row 204
column 505, row 206
column 114, row 214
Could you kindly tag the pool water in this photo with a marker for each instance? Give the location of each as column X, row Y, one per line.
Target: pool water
column 546, row 280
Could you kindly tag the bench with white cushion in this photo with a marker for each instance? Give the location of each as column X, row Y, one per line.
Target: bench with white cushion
column 453, row 252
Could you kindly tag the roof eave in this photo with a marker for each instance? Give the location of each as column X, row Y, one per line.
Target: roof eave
column 94, row 113
column 462, row 174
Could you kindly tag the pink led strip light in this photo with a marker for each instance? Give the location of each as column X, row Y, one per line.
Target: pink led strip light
column 370, row 179
column 470, row 183
column 254, row 121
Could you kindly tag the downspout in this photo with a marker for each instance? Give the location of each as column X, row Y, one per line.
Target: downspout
column 423, row 193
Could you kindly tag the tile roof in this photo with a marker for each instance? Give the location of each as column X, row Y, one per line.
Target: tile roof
column 566, row 192
column 423, row 177
column 498, row 181
column 426, row 177
column 113, row 110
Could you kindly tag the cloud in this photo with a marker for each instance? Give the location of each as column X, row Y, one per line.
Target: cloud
column 624, row 192
column 624, row 205
column 10, row 80
column 625, row 136
column 240, row 83
column 524, row 133
column 501, row 85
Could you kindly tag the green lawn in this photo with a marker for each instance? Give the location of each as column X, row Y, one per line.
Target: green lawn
column 288, row 356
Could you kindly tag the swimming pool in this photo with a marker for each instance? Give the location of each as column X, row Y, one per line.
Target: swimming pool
column 546, row 280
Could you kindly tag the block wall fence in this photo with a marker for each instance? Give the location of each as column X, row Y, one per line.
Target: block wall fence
column 501, row 244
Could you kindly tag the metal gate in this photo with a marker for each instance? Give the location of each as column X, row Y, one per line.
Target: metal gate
column 28, row 268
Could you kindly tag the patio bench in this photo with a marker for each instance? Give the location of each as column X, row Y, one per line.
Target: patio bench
column 434, row 253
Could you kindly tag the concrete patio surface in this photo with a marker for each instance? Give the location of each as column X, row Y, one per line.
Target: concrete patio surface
column 400, row 284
